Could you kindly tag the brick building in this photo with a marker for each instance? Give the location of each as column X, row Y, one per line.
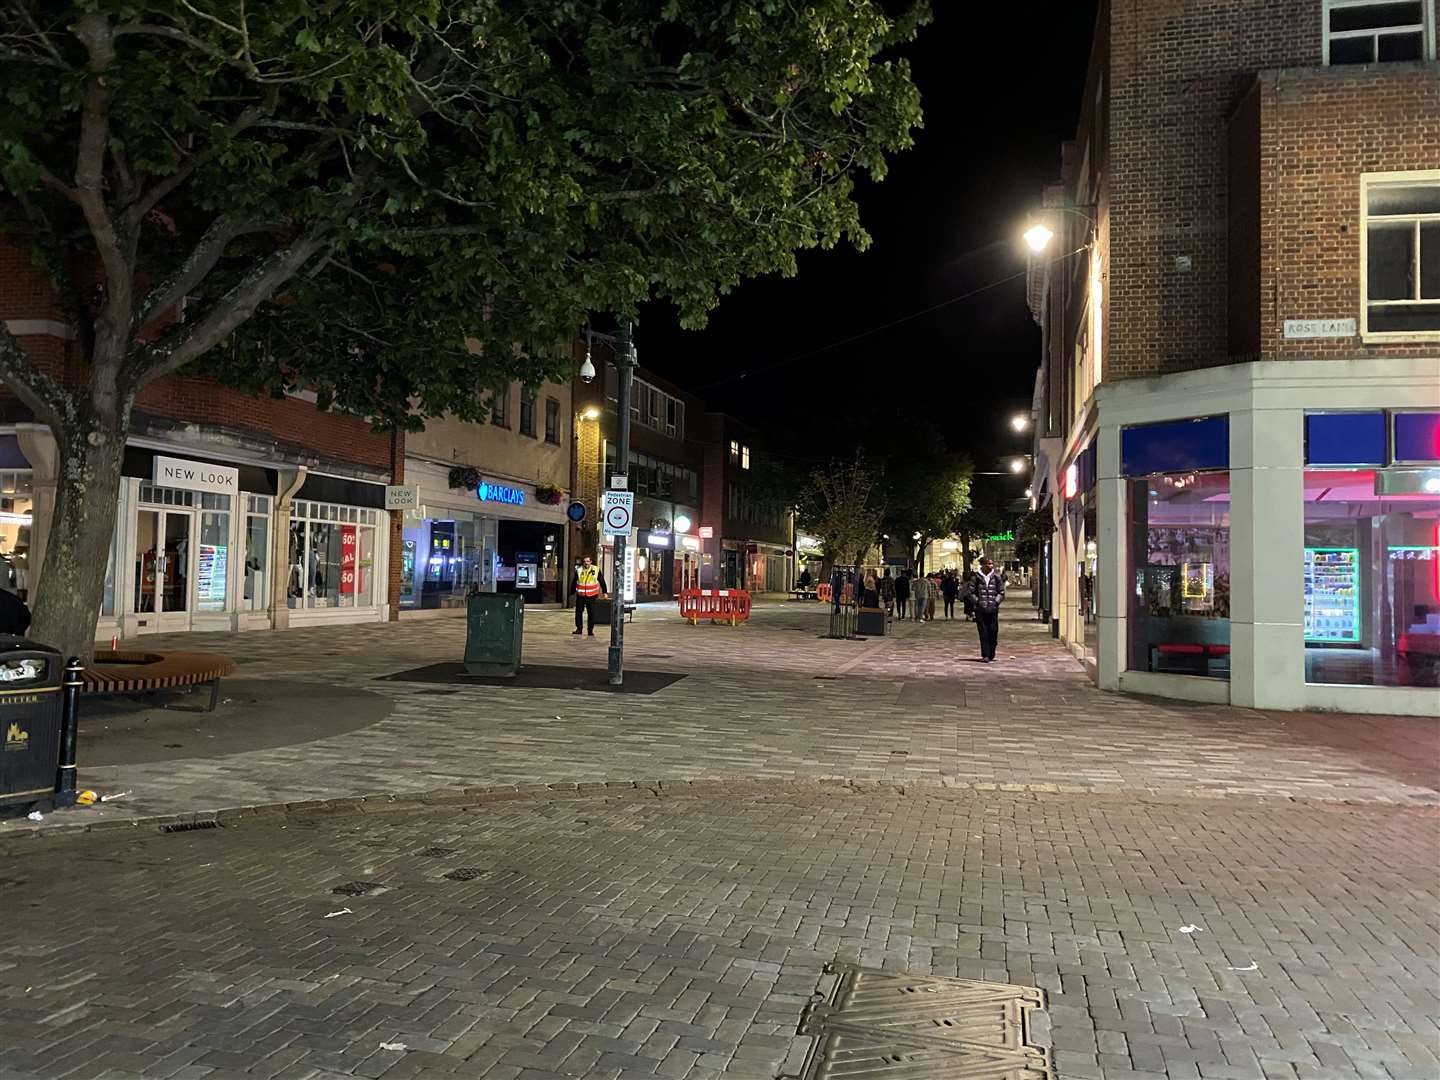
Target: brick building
column 234, row 512
column 1238, row 403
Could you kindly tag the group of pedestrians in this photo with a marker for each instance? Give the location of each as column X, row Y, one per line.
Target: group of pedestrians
column 981, row 594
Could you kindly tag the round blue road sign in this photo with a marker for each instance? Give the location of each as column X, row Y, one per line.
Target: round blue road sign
column 576, row 512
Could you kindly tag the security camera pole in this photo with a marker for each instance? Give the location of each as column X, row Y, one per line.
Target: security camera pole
column 625, row 365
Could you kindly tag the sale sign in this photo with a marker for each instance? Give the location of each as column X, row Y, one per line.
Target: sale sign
column 348, row 570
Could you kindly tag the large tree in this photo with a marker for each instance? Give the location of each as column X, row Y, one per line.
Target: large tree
column 843, row 509
column 926, row 487
column 344, row 192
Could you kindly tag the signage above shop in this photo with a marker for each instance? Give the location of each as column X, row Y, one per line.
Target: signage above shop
column 707, row 532
column 402, row 496
column 659, row 539
column 196, row 475
column 488, row 492
column 1319, row 328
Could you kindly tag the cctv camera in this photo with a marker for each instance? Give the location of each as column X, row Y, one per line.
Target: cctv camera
column 587, row 371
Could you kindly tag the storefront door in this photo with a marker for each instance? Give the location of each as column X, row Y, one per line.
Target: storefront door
column 164, row 569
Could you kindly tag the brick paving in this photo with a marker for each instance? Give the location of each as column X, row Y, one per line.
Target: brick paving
column 645, row 935
column 649, row 886
column 771, row 700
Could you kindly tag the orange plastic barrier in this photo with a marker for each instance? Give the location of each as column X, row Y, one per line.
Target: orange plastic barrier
column 717, row 605
column 823, row 592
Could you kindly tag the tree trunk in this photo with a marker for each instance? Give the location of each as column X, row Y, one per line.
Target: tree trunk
column 72, row 580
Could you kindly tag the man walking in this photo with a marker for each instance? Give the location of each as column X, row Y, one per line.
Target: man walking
column 949, row 589
column 587, row 583
column 887, row 593
column 920, row 591
column 902, row 594
column 987, row 589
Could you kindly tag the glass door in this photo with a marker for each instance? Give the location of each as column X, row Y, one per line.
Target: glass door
column 164, row 558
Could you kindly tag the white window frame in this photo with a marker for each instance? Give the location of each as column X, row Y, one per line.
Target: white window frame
column 1367, row 180
column 1427, row 28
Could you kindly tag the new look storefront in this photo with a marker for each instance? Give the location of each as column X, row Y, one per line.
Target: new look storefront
column 1266, row 535
column 208, row 544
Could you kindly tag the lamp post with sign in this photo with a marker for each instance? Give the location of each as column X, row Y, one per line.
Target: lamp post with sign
column 625, row 366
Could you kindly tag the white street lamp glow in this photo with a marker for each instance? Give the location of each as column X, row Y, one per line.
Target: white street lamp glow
column 1029, row 493
column 1018, row 421
column 1017, row 464
column 591, row 413
column 682, row 524
column 1038, row 237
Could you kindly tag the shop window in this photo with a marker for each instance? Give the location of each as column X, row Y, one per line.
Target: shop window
column 1375, row 31
column 1179, row 600
column 527, row 412
column 1401, row 272
column 212, row 556
column 1372, row 578
column 16, row 520
column 331, row 561
column 552, row 421
column 255, row 591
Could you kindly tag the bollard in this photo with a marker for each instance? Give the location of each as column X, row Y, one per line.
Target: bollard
column 69, row 732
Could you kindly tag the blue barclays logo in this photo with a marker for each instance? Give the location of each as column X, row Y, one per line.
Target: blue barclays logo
column 488, row 492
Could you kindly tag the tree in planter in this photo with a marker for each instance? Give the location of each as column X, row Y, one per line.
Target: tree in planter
column 392, row 205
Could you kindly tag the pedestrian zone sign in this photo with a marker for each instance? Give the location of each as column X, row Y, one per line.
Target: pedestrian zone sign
column 616, row 511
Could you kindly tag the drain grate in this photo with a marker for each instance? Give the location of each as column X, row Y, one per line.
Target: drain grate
column 190, row 826
column 464, row 873
column 436, row 852
column 889, row 1025
column 357, row 888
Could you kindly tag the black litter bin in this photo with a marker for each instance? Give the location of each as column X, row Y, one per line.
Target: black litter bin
column 31, row 720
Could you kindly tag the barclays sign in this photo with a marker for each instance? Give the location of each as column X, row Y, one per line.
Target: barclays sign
column 488, row 492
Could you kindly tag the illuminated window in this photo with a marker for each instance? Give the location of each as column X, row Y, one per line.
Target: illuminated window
column 744, row 457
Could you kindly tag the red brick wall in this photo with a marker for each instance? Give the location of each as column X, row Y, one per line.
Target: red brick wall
column 1319, row 130
column 1177, row 68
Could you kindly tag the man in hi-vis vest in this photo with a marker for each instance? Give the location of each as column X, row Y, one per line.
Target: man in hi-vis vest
column 587, row 583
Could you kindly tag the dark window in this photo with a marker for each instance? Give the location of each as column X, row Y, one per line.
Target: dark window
column 1179, row 446
column 552, row 421
column 527, row 412
column 500, row 407
column 1356, row 438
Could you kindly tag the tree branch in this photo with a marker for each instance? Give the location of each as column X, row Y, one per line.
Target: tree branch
column 196, row 267
column 232, row 310
column 41, row 394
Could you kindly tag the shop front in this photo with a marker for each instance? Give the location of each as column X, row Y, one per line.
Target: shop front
column 493, row 537
column 1276, row 547
column 202, row 544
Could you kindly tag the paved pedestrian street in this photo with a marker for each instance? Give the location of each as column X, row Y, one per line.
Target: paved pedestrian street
column 534, row 883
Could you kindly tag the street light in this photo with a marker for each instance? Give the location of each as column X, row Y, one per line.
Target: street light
column 1038, row 237
column 591, row 412
column 1019, row 421
column 1017, row 465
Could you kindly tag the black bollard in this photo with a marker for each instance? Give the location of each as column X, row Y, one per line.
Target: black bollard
column 69, row 732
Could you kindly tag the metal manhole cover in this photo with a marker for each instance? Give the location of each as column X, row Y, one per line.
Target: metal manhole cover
column 897, row 1026
column 358, row 888
column 436, row 852
column 464, row 873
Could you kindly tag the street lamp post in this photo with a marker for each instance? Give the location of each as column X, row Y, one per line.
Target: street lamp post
column 625, row 366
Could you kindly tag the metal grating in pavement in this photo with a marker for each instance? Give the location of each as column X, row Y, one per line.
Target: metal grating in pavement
column 890, row 1025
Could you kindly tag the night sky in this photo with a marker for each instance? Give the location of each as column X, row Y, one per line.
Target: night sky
column 945, row 221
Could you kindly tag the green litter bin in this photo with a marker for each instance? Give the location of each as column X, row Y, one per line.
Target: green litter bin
column 494, row 627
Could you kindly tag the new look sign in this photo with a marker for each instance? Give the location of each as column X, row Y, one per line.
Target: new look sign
column 499, row 493
column 196, row 476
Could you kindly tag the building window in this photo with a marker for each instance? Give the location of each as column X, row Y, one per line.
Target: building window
column 500, row 407
column 331, row 556
column 256, row 587
column 734, row 452
column 552, row 421
column 1371, row 31
column 1179, row 602
column 527, row 411
column 1401, row 260
column 744, row 457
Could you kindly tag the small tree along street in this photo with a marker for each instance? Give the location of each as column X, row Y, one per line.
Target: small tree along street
column 397, row 207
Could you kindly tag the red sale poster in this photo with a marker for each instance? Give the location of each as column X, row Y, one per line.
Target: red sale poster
column 347, row 560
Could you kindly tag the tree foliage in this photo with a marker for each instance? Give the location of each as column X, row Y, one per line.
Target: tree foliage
column 400, row 206
column 1031, row 532
column 927, row 487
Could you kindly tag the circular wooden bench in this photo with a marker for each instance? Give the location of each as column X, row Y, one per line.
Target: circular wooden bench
column 135, row 672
